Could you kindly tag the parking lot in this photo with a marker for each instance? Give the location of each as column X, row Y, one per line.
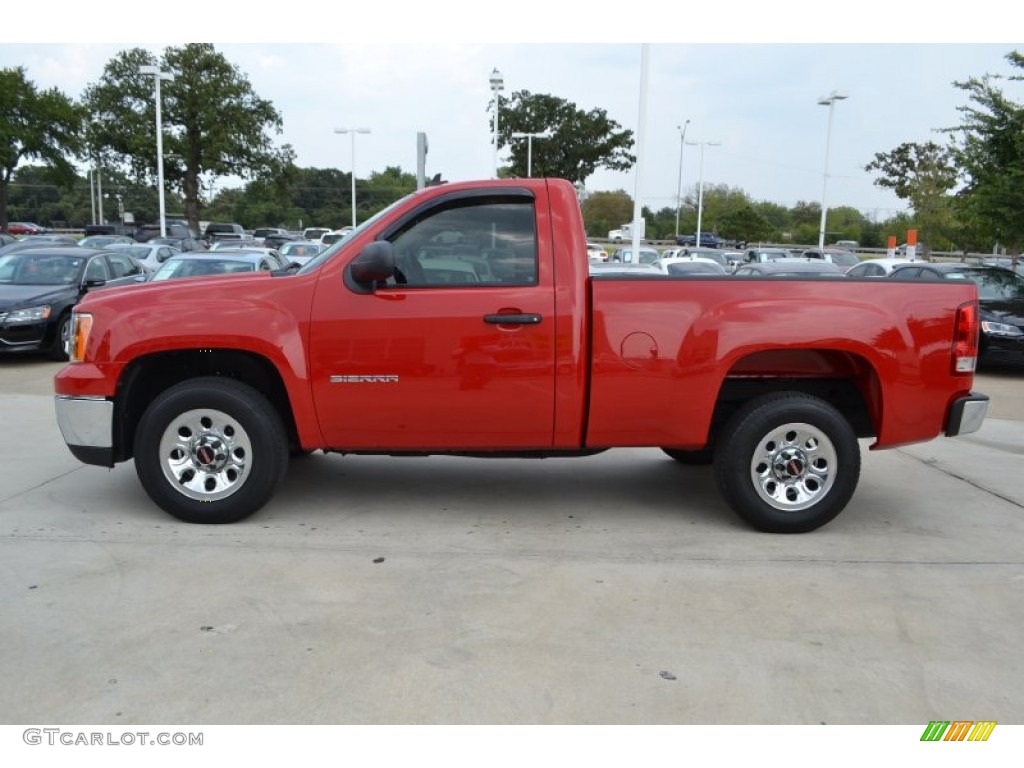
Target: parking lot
column 615, row 589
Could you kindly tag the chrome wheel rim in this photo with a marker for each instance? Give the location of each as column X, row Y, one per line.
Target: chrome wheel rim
column 205, row 454
column 793, row 467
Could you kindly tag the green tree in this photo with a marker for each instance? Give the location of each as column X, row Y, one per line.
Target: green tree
column 382, row 189
column 990, row 155
column 35, row 125
column 748, row 225
column 845, row 223
column 579, row 141
column 924, row 175
column 605, row 211
column 778, row 216
column 213, row 122
column 323, row 195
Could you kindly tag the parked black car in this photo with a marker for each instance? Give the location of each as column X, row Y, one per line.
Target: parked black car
column 276, row 241
column 223, row 231
column 1000, row 301
column 39, row 286
column 147, row 232
column 707, row 240
column 181, row 243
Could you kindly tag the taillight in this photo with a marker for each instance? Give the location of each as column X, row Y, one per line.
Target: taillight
column 965, row 338
column 81, row 327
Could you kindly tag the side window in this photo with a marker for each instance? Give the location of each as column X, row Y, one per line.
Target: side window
column 97, row 269
column 469, row 243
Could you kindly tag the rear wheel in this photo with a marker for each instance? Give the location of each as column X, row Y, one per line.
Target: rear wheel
column 210, row 450
column 787, row 463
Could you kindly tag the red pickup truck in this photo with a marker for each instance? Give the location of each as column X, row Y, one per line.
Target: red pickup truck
column 462, row 320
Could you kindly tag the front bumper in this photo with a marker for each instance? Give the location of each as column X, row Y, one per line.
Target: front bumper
column 1002, row 349
column 87, row 426
column 966, row 414
column 23, row 337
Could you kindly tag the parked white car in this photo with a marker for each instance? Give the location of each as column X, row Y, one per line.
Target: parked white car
column 875, row 267
column 150, row 256
column 314, row 233
column 596, row 252
column 711, row 266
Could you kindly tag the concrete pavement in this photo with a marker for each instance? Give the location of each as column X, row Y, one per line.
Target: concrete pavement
column 613, row 589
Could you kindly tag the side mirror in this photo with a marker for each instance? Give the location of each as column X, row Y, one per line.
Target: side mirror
column 376, row 262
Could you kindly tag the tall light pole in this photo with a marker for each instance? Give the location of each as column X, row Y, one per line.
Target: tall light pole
column 830, row 102
column 353, row 132
column 700, row 187
column 529, row 146
column 158, row 75
column 497, row 85
column 679, row 184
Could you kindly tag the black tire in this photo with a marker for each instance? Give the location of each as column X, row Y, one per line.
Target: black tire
column 59, row 349
column 210, row 450
column 702, row 457
column 787, row 462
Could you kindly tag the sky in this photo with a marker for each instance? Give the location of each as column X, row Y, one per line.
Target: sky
column 746, row 77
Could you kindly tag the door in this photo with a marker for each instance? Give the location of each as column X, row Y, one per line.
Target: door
column 457, row 350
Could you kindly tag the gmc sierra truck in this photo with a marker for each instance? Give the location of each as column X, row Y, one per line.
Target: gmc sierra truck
column 462, row 320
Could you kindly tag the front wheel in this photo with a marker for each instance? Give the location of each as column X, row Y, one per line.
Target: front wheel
column 61, row 348
column 787, row 463
column 210, row 450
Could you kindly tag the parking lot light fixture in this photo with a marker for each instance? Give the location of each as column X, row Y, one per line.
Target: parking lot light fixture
column 830, row 102
column 700, row 184
column 158, row 75
column 679, row 184
column 497, row 85
column 353, row 132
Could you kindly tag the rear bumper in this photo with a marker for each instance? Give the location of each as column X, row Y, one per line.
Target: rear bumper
column 87, row 426
column 966, row 414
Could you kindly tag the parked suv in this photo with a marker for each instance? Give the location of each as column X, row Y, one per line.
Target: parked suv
column 260, row 233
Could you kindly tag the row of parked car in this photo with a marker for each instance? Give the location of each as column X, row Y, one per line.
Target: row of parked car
column 41, row 281
column 729, row 260
column 43, row 276
column 1000, row 283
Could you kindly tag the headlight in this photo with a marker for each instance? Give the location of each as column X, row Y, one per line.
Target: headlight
column 1000, row 329
column 28, row 315
column 81, row 327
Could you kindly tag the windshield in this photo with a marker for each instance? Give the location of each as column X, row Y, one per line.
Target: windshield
column 325, row 254
column 27, row 268
column 997, row 285
column 138, row 251
column 201, row 267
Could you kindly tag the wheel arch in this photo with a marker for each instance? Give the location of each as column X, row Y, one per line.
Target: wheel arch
column 846, row 380
column 146, row 377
